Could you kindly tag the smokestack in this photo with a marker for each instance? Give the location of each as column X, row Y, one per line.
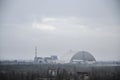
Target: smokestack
column 35, row 51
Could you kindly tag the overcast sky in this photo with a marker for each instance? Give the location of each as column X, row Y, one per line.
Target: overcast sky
column 57, row 27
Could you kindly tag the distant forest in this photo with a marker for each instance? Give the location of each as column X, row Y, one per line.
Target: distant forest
column 58, row 72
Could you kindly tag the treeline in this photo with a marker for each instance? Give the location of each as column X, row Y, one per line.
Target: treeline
column 58, row 72
column 13, row 75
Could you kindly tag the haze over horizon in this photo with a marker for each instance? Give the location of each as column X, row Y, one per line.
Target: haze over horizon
column 58, row 26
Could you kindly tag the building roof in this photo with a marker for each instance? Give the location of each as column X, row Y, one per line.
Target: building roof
column 83, row 56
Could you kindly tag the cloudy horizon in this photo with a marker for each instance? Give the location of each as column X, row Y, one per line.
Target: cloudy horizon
column 56, row 27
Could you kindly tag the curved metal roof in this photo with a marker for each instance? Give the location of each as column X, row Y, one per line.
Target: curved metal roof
column 83, row 56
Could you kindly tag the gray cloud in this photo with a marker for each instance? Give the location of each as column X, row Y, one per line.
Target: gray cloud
column 58, row 26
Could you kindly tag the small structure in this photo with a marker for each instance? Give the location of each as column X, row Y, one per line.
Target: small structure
column 48, row 60
column 38, row 60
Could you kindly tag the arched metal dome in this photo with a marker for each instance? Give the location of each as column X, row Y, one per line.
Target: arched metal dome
column 82, row 56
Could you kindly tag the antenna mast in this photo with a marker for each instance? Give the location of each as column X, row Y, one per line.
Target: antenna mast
column 35, row 51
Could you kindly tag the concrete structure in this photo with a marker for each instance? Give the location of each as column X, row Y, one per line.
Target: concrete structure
column 82, row 57
column 45, row 60
column 38, row 60
column 52, row 59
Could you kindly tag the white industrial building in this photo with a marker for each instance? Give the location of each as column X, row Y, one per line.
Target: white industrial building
column 51, row 59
